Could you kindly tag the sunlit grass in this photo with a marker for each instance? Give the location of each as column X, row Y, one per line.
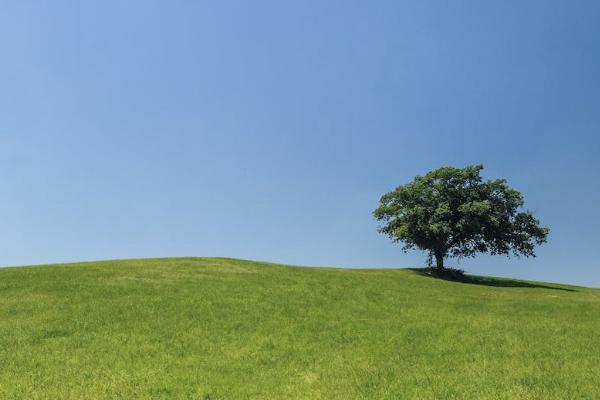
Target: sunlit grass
column 231, row 329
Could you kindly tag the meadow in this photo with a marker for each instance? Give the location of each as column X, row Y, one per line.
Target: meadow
column 216, row 328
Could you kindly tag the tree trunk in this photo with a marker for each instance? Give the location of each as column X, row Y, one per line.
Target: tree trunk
column 439, row 260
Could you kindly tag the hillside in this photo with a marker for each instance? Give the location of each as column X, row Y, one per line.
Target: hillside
column 231, row 329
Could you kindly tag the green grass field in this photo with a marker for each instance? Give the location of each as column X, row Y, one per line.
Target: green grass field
column 203, row 328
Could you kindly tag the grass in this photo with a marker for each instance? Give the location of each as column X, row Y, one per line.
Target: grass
column 200, row 328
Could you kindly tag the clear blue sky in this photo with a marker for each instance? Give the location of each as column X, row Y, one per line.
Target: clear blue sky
column 269, row 130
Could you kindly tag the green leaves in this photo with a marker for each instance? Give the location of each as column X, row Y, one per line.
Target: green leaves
column 452, row 212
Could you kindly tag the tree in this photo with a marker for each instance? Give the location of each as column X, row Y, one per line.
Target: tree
column 453, row 212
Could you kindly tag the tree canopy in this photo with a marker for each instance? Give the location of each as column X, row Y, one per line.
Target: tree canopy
column 453, row 212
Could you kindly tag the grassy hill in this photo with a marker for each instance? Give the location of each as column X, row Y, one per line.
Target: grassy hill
column 229, row 329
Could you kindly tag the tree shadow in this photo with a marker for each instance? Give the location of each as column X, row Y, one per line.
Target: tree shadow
column 455, row 275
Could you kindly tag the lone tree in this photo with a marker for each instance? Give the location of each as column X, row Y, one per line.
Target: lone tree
column 453, row 212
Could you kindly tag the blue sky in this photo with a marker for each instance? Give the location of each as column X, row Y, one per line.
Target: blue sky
column 269, row 130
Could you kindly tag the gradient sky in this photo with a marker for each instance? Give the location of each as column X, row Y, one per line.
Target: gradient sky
column 269, row 130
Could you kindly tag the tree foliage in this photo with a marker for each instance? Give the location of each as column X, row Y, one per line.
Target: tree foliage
column 453, row 212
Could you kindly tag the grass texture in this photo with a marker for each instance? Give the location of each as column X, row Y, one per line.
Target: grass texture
column 215, row 328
